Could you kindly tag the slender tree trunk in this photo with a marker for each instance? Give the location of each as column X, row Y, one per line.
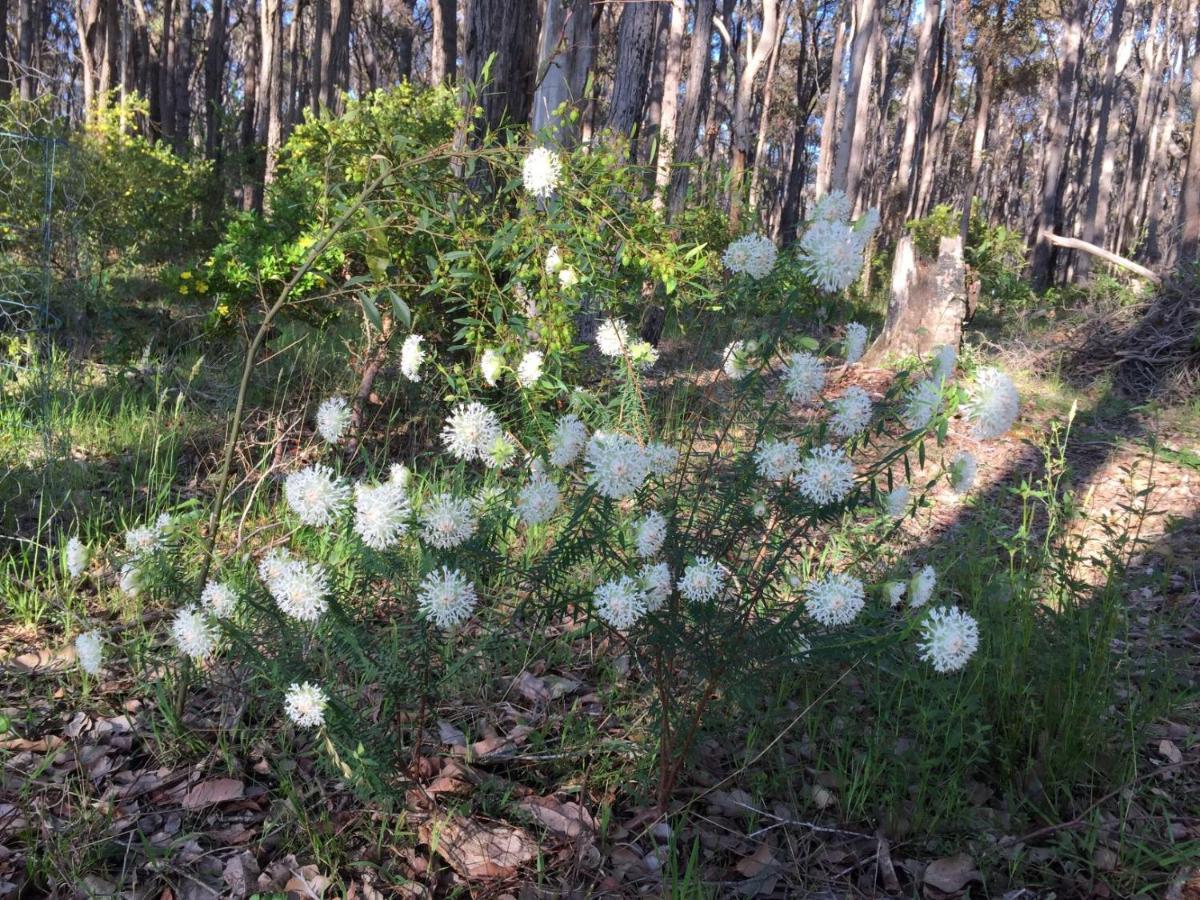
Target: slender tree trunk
column 756, row 53
column 322, row 39
column 759, row 161
column 935, row 146
column 293, row 106
column 183, row 78
column 249, row 151
column 985, row 79
column 166, row 73
column 848, row 164
column 1189, row 194
column 26, row 28
column 829, row 119
column 916, row 112
column 1141, row 134
column 508, row 28
column 798, row 164
column 1042, row 264
column 718, row 99
column 688, row 120
column 6, row 79
column 565, row 50
column 214, row 76
column 670, row 102
column 631, row 78
column 1155, row 201
column 443, row 44
column 404, row 38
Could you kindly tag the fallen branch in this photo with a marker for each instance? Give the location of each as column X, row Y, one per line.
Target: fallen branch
column 1106, row 255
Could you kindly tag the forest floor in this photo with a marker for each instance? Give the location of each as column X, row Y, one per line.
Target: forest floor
column 116, row 790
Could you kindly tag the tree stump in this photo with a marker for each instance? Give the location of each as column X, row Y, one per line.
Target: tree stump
column 928, row 302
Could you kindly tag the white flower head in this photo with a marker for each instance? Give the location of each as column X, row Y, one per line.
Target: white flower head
column 132, row 579
column 661, row 459
column 490, row 366
column 945, row 358
column 949, row 638
column 832, row 207
column 993, row 404
column 851, row 413
column 446, row 522
column 380, row 514
column 655, row 579
column 538, row 500
column 617, row 465
column 753, row 255
column 643, row 355
column 895, row 592
column 219, row 599
column 834, row 600
column 192, row 633
column 620, row 602
column 412, row 356
column 89, row 650
column 554, row 261
column 895, row 501
column 567, row 277
column 500, row 452
column 962, row 472
column 274, row 563
column 299, row 590
column 144, row 539
column 804, row 378
column 471, row 431
column 305, row 705
column 569, row 438
column 866, row 225
column 831, row 253
column 856, row 342
column 541, row 172
column 530, row 368
column 703, row 580
column 446, row 597
column 77, row 557
column 316, row 495
column 737, row 360
column 333, row 418
column 400, row 476
column 826, row 475
column 777, row 460
column 921, row 586
column 612, row 337
column 650, row 533
column 924, row 402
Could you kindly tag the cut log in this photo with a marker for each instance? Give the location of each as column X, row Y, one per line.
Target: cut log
column 928, row 301
column 1106, row 255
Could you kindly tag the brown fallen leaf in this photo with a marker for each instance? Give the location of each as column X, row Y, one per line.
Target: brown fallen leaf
column 951, row 874
column 531, row 687
column 212, row 792
column 757, row 862
column 479, row 850
column 41, row 745
column 450, row 735
column 568, row 818
column 1170, row 751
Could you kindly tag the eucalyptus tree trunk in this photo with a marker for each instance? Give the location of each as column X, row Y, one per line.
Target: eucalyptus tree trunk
column 688, row 119
column 214, row 77
column 916, row 112
column 509, row 29
column 184, row 23
column 1042, row 264
column 631, row 77
column 829, row 119
column 250, row 55
column 758, row 161
column 26, row 29
column 934, row 148
column 166, row 73
column 797, row 169
column 756, row 54
column 1189, row 195
column 443, row 43
column 565, row 51
column 5, row 68
column 847, row 171
column 670, row 102
column 404, row 38
column 1141, row 133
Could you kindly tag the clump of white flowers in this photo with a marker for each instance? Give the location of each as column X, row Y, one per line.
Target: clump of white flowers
column 568, row 440
column 650, row 532
column 76, row 557
column 192, row 633
column 777, row 460
column 144, row 539
column 661, row 458
column 297, row 587
column 219, row 599
column 538, row 500
column 412, row 357
column 381, row 514
column 851, row 412
column 620, row 602
column 993, row 404
column 752, row 254
column 737, row 360
column 834, row 600
column 856, row 342
column 567, row 277
column 446, row 521
column 703, row 580
column 612, row 337
column 949, row 638
column 617, row 466
column 529, row 370
column 826, row 475
column 643, row 354
column 446, row 597
column 305, row 705
column 896, row 500
column 921, row 586
column 541, row 172
column 316, row 495
column 804, row 378
column 923, row 402
column 89, row 650
column 491, row 363
column 831, row 252
column 655, row 579
column 554, row 261
column 333, row 418
column 962, row 472
column 471, row 432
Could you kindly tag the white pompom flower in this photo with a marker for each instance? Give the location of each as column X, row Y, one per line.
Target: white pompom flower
column 620, row 602
column 491, row 364
column 617, row 465
column 650, row 533
column 541, row 172
column 316, row 495
column 661, row 459
column 945, row 358
column 826, row 475
column 834, row 600
column 333, row 418
column 77, row 557
column 538, row 500
column 993, row 404
column 963, row 469
column 567, row 278
column 895, row 592
column 831, row 254
column 299, row 588
column 895, row 501
column 655, row 579
column 412, row 357
column 193, row 634
column 921, row 586
column 950, row 637
column 132, row 579
column 305, row 705
column 446, row 521
column 274, row 563
column 804, row 378
column 856, row 342
column 612, row 337
column 833, row 206
column 470, row 432
column 753, row 255
column 703, row 580
column 446, row 597
column 529, row 370
column 219, row 599
column 554, row 261
column 89, row 650
column 851, row 413
column 924, row 401
column 381, row 514
column 144, row 539
column 569, row 438
column 737, row 360
column 777, row 460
